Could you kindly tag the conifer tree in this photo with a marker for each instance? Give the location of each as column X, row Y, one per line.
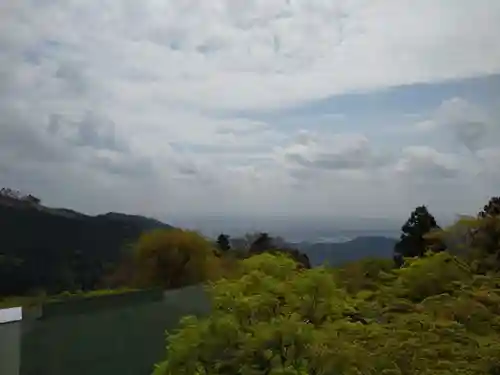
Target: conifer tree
column 413, row 242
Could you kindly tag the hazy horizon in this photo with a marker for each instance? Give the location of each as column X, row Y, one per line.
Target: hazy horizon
column 292, row 228
column 297, row 229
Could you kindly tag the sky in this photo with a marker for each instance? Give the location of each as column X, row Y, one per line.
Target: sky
column 299, row 109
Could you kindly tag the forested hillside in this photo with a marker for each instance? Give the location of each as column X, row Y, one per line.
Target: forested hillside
column 58, row 249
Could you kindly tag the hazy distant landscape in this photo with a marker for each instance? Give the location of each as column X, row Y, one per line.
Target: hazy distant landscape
column 339, row 253
column 293, row 229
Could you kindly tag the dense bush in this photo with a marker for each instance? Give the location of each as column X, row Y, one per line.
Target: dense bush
column 174, row 258
column 432, row 316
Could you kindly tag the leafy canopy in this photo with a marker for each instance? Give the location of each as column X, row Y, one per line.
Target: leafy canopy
column 173, row 258
column 432, row 316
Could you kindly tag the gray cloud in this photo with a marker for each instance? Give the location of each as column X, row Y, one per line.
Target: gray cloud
column 99, row 133
column 473, row 134
column 196, row 49
column 188, row 170
column 20, row 142
column 489, row 166
column 342, row 152
column 92, row 94
column 124, row 165
column 72, row 74
column 469, row 124
column 243, row 127
column 54, row 124
column 426, row 164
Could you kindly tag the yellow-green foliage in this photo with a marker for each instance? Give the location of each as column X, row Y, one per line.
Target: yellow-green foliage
column 174, row 258
column 37, row 300
column 476, row 239
column 432, row 317
column 423, row 277
column 8, row 302
column 364, row 274
column 92, row 293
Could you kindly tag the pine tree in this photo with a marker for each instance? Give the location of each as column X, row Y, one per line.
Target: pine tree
column 223, row 242
column 412, row 242
column 487, row 236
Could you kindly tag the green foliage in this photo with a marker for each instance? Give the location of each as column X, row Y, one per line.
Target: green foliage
column 476, row 239
column 425, row 277
column 485, row 243
column 24, row 301
column 27, row 301
column 432, row 316
column 79, row 294
column 265, row 243
column 366, row 274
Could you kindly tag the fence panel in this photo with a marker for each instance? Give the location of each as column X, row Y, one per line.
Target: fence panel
column 10, row 341
column 106, row 337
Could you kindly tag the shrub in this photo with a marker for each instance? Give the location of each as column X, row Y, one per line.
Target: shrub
column 174, row 258
column 428, row 318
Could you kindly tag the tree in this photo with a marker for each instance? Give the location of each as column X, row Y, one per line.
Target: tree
column 413, row 241
column 33, row 200
column 10, row 193
column 490, row 228
column 301, row 258
column 475, row 239
column 173, row 258
column 16, row 195
column 223, row 243
column 430, row 317
column 260, row 324
column 485, row 235
column 262, row 243
column 492, row 209
column 265, row 243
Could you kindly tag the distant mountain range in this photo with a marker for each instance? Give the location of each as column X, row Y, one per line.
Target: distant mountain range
column 333, row 252
column 338, row 253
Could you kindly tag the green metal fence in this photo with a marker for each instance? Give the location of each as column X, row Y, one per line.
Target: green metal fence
column 119, row 334
column 10, row 346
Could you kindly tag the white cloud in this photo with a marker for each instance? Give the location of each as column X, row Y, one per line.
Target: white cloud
column 253, row 54
column 468, row 123
column 423, row 162
column 333, row 152
column 489, row 166
column 124, row 104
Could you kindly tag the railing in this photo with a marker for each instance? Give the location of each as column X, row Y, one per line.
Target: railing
column 117, row 334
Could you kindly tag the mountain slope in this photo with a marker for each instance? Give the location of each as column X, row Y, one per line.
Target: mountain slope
column 58, row 248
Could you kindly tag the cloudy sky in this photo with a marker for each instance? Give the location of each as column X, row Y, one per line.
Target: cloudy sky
column 301, row 108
